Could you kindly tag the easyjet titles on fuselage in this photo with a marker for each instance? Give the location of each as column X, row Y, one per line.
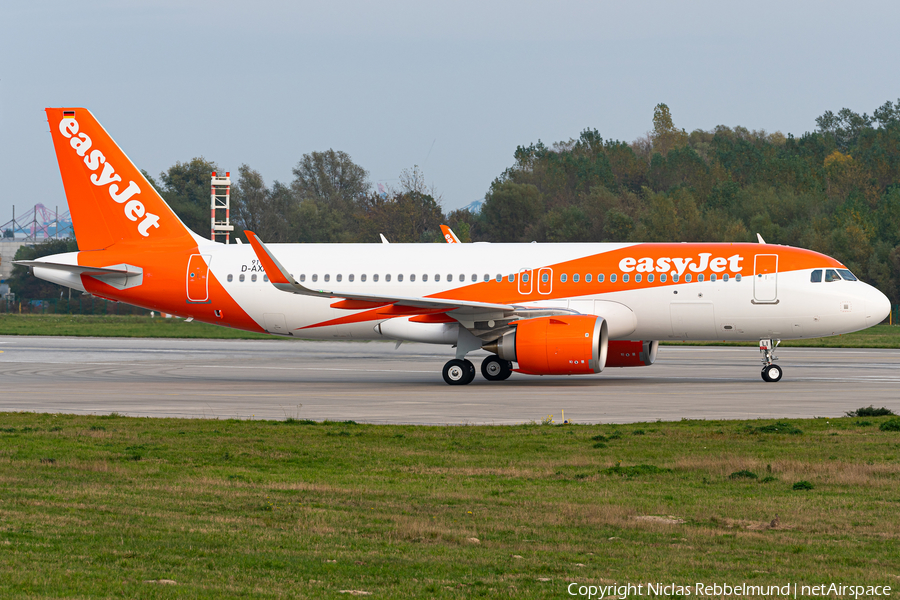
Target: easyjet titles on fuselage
column 134, row 209
column 680, row 265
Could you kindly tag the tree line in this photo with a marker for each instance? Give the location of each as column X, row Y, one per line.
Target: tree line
column 835, row 190
column 330, row 199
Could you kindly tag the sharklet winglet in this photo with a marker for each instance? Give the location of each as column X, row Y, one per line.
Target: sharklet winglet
column 278, row 275
column 449, row 235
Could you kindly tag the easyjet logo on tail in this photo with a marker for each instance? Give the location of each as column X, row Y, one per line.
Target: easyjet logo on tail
column 680, row 265
column 107, row 177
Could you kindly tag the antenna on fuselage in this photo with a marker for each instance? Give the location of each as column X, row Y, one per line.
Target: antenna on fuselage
column 759, row 237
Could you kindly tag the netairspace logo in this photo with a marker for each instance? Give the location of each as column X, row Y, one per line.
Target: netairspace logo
column 718, row 590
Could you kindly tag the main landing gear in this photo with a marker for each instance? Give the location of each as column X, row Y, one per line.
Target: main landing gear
column 460, row 371
column 770, row 371
column 495, row 368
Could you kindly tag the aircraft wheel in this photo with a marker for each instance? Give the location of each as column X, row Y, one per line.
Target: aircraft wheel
column 459, row 372
column 495, row 368
column 772, row 373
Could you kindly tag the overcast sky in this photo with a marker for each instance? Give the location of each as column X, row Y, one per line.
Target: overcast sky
column 452, row 87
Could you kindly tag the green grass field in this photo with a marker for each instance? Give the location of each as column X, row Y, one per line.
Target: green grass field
column 880, row 336
column 108, row 507
column 119, row 326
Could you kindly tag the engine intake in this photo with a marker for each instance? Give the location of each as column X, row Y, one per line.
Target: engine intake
column 559, row 345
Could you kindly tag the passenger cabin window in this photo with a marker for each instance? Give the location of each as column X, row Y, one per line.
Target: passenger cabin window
column 600, row 278
column 545, row 277
column 315, row 277
column 650, row 278
column 241, row 278
column 266, row 278
column 637, row 278
column 575, row 278
column 350, row 277
column 474, row 277
column 626, row 278
column 363, row 278
column 230, row 277
column 687, row 278
column 375, row 277
column 712, row 277
column 525, row 277
column 387, row 277
column 831, row 275
column 725, row 277
column 736, row 277
column 424, row 277
column 302, row 278
column 662, row 278
column 328, row 277
column 587, row 278
column 499, row 277
column 449, row 277
column 412, row 277
column 511, row 278
column 400, row 277
column 847, row 275
column 487, row 277
column 437, row 277
column 563, row 277
column 339, row 277
column 612, row 278
column 253, row 278
column 700, row 278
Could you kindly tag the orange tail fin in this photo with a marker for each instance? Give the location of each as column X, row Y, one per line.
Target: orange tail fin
column 110, row 201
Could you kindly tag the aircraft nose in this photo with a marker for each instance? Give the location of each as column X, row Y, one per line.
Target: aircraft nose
column 877, row 307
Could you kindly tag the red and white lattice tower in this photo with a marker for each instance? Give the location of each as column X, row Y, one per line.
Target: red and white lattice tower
column 220, row 200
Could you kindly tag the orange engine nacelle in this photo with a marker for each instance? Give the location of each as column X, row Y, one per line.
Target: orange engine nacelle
column 623, row 353
column 564, row 345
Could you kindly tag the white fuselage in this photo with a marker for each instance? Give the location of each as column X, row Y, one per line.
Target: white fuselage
column 720, row 310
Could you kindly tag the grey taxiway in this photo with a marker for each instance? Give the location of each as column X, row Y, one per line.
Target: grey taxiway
column 374, row 382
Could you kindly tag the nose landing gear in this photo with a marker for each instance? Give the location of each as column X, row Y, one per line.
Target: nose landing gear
column 770, row 372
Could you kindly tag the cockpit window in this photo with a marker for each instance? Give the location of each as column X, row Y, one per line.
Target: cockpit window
column 816, row 276
column 831, row 275
column 847, row 275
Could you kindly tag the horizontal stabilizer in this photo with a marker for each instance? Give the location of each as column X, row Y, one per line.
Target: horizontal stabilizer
column 122, row 270
column 118, row 276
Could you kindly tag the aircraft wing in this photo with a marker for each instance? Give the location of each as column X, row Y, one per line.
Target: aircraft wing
column 282, row 279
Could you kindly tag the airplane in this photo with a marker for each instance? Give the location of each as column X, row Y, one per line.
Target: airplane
column 539, row 309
